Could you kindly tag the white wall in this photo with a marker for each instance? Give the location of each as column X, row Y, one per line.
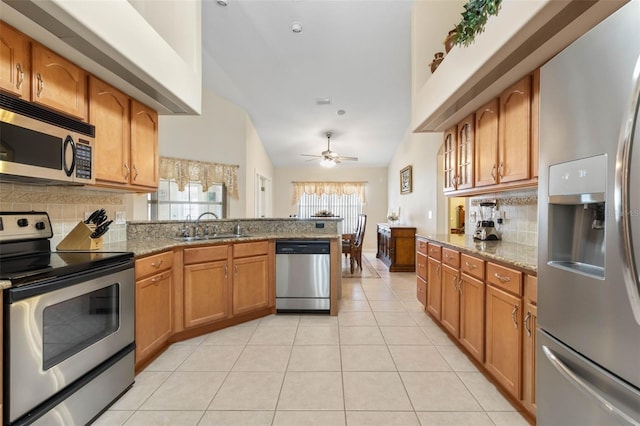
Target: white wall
column 375, row 192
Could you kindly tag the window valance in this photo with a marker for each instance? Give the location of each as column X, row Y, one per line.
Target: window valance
column 320, row 188
column 184, row 171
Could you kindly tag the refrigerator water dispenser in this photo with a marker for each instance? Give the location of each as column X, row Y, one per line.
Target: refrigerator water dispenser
column 577, row 215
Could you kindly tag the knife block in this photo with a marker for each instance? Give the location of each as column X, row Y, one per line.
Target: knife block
column 79, row 239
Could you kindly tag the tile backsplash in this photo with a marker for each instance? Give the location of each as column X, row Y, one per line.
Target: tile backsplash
column 520, row 209
column 66, row 206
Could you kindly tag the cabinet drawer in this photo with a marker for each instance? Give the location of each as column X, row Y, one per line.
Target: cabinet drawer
column 451, row 257
column 421, row 247
column 531, row 288
column 421, row 266
column 435, row 251
column 154, row 264
column 250, row 249
column 505, row 278
column 205, row 254
column 472, row 266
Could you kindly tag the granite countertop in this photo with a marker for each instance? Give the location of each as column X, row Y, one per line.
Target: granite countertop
column 146, row 247
column 520, row 256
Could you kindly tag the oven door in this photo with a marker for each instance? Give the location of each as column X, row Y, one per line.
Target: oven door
column 62, row 329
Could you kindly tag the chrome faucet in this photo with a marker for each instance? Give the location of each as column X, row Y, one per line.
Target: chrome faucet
column 200, row 217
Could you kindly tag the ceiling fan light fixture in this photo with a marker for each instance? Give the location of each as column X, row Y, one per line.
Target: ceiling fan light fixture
column 327, row 162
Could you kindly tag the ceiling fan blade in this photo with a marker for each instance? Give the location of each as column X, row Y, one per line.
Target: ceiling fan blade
column 349, row 158
column 311, row 159
column 311, row 155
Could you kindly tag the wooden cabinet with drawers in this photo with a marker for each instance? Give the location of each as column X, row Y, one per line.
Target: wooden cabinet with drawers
column 421, row 271
column 529, row 324
column 434, row 280
column 154, row 304
column 396, row 247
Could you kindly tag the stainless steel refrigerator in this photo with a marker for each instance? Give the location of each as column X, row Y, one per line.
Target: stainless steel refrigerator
column 588, row 347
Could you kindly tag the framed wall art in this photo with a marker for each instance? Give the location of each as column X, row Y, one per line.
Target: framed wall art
column 406, row 185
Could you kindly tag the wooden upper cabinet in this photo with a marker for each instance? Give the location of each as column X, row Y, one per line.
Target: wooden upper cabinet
column 535, row 122
column 15, row 62
column 57, row 83
column 450, row 160
column 465, row 153
column 515, row 132
column 144, row 146
column 486, row 144
column 109, row 112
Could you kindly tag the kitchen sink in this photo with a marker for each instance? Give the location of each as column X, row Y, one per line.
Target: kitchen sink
column 211, row 237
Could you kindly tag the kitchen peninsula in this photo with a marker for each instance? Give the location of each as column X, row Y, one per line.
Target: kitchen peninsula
column 185, row 288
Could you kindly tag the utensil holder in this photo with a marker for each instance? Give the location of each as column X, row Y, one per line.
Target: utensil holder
column 79, row 239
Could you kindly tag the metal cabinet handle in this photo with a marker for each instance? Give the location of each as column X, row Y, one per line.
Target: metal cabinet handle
column 40, row 84
column 126, row 166
column 157, row 279
column 157, row 264
column 471, row 266
column 609, row 406
column 226, row 271
column 20, row 76
column 500, row 167
column 502, row 278
column 493, row 176
column 438, row 271
column 448, row 256
column 513, row 316
column 235, row 269
column 460, row 286
column 526, row 323
column 135, row 169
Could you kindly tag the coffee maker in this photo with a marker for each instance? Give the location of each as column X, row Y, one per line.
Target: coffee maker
column 485, row 227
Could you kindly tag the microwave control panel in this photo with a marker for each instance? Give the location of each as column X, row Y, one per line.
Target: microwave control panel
column 83, row 161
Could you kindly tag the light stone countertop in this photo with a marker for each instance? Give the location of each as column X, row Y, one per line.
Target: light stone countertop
column 146, row 247
column 520, row 256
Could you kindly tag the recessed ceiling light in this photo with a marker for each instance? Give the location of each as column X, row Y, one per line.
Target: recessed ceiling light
column 222, row 3
column 341, row 112
column 323, row 101
column 296, row 27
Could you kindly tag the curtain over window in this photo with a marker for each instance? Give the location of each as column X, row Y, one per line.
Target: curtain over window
column 206, row 174
column 328, row 188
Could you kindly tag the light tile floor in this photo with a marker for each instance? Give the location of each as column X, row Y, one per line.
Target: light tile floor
column 381, row 361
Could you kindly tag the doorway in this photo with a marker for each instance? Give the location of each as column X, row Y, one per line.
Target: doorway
column 262, row 196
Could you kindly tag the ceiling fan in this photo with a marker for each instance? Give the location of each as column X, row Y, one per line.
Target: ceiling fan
column 329, row 158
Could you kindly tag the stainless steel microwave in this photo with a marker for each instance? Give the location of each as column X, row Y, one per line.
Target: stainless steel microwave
column 42, row 147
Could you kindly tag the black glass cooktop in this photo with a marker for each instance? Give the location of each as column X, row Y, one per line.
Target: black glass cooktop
column 25, row 269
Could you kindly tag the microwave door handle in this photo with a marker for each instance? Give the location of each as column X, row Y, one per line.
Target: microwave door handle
column 623, row 191
column 69, row 142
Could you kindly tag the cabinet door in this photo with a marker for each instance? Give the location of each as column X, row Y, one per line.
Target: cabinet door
column 514, row 135
column 472, row 316
column 154, row 323
column 421, row 291
column 486, row 144
column 144, row 146
column 57, row 83
column 465, row 152
column 434, row 287
column 109, row 112
column 15, row 62
column 535, row 122
column 504, row 339
column 206, row 293
column 450, row 308
column 421, row 266
column 529, row 358
column 450, row 162
column 250, row 284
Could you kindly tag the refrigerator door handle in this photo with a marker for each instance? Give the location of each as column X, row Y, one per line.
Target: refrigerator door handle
column 630, row 131
column 584, row 386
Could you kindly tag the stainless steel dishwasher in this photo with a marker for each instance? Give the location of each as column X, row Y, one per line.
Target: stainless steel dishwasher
column 303, row 276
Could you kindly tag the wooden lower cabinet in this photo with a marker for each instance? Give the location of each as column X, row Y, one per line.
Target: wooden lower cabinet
column 154, row 308
column 434, row 287
column 529, row 358
column 251, row 288
column 396, row 247
column 206, row 293
column 421, row 291
column 472, row 305
column 504, row 339
column 450, row 301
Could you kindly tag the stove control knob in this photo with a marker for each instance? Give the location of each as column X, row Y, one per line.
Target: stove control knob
column 23, row 222
column 40, row 226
